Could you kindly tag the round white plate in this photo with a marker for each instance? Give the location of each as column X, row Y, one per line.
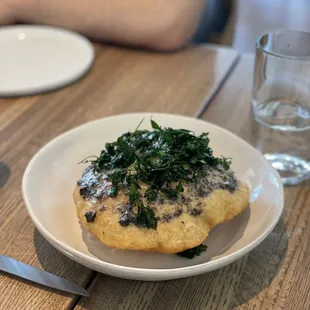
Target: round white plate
column 52, row 174
column 36, row 59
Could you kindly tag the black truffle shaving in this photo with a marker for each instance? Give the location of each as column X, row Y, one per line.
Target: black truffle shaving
column 90, row 216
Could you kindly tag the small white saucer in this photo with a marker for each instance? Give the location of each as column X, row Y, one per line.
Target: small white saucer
column 35, row 59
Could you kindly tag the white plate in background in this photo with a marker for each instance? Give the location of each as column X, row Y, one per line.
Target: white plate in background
column 35, row 59
column 51, row 176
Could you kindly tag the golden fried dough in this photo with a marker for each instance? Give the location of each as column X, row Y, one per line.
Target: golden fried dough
column 182, row 224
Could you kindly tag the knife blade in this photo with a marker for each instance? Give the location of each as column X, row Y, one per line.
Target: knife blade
column 22, row 270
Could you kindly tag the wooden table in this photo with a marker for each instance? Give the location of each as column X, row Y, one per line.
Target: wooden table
column 276, row 275
column 120, row 81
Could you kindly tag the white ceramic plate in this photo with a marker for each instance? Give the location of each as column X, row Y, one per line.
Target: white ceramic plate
column 52, row 174
column 36, row 59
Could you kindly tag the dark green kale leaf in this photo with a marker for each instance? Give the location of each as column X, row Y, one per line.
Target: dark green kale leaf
column 151, row 194
column 116, row 177
column 155, row 125
column 146, row 217
column 191, row 253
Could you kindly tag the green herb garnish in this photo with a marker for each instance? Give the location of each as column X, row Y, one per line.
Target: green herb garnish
column 196, row 251
column 163, row 159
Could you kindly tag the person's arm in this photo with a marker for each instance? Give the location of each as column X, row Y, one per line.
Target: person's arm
column 157, row 24
column 6, row 14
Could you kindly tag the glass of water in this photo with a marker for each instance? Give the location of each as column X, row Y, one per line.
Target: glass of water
column 281, row 101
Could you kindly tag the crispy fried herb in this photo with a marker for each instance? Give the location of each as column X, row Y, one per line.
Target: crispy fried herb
column 180, row 188
column 160, row 158
column 191, row 253
column 151, row 194
column 155, row 125
column 116, row 177
column 146, row 217
column 225, row 162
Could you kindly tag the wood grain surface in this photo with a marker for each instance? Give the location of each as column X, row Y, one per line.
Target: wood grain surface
column 120, row 81
column 275, row 275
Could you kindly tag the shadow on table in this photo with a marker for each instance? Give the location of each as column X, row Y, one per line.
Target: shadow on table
column 262, row 266
column 50, row 259
column 56, row 263
column 4, row 174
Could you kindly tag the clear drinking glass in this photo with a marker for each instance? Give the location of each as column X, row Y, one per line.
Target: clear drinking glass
column 281, row 101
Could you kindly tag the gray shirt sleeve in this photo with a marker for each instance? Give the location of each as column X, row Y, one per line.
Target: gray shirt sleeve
column 213, row 19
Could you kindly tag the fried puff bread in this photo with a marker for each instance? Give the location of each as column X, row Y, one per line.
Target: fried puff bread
column 176, row 230
column 158, row 190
